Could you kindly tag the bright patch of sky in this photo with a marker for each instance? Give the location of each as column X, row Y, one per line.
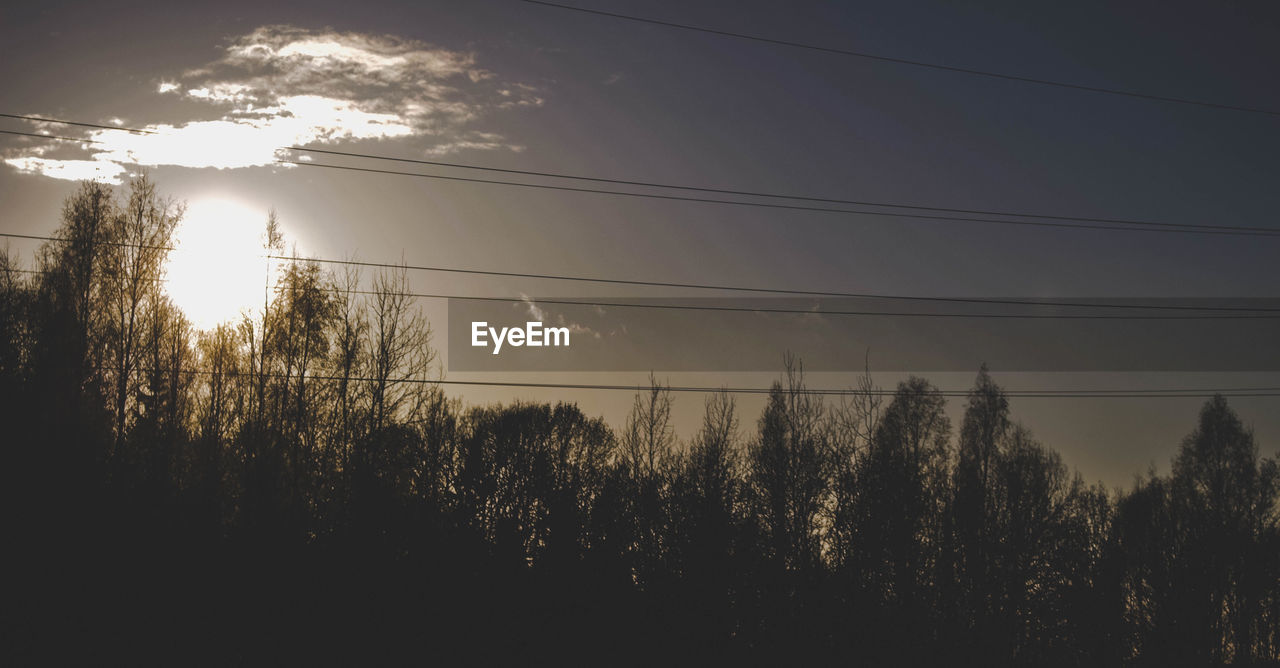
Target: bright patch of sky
column 280, row 86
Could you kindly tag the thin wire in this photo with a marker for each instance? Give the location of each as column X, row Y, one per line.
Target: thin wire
column 1023, row 394
column 1185, row 229
column 120, row 244
column 1113, row 223
column 41, row 119
column 749, row 309
column 752, row 193
column 913, row 63
column 728, row 288
column 768, row 310
column 809, row 293
column 37, row 134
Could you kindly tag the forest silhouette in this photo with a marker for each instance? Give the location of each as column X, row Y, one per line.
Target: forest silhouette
column 293, row 488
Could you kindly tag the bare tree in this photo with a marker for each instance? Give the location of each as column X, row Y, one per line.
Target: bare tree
column 349, row 357
column 714, row 457
column 977, row 531
column 707, row 498
column 789, row 464
column 902, row 483
column 853, row 423
column 399, row 350
column 648, row 441
column 140, row 234
column 648, row 437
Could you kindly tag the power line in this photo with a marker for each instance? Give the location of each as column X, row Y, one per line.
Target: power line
column 41, row 119
column 888, row 393
column 1192, row 393
column 775, row 310
column 1173, row 228
column 37, row 134
column 913, row 63
column 35, row 237
column 806, row 293
column 795, row 311
column 745, row 309
column 1081, row 222
column 116, row 244
column 1169, row 391
column 728, row 288
column 753, row 193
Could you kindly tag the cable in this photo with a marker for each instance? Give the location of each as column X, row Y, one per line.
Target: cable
column 1192, row 393
column 774, row 310
column 913, row 63
column 36, row 134
column 1179, row 229
column 807, row 293
column 1106, row 223
column 857, row 295
column 118, row 244
column 748, row 309
column 41, row 119
column 752, row 193
column 883, row 393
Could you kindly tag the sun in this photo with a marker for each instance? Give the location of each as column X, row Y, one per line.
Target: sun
column 218, row 269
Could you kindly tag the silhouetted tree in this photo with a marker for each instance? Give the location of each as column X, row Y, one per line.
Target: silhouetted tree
column 299, row 478
column 853, row 424
column 138, row 240
column 1198, row 577
column 899, row 514
column 788, row 471
column 706, row 532
column 647, row 444
column 983, row 443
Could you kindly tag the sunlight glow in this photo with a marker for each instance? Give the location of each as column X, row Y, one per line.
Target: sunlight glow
column 219, row 268
column 280, row 86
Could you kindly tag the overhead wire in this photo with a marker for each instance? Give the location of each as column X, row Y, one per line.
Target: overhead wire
column 1237, row 312
column 1186, row 393
column 1002, row 217
column 852, row 295
column 906, row 61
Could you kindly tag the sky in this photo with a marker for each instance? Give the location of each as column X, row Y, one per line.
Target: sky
column 514, row 85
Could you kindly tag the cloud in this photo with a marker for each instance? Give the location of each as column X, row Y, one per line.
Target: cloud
column 535, row 311
column 538, row 313
column 283, row 86
column 576, row 328
column 70, row 170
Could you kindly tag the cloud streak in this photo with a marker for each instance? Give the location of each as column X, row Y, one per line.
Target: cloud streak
column 283, row 86
column 538, row 313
